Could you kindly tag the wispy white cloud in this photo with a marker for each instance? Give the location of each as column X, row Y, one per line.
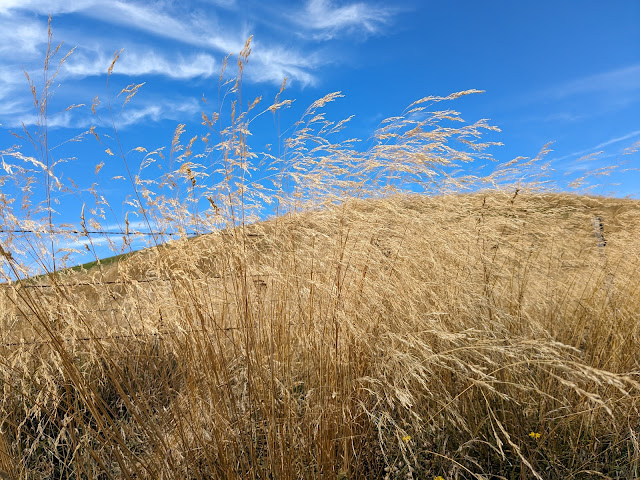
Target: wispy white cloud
column 22, row 37
column 21, row 45
column 16, row 102
column 134, row 226
column 325, row 20
column 202, row 29
column 601, row 145
column 45, row 7
column 141, row 63
column 150, row 17
column 12, row 80
column 271, row 65
column 223, row 3
column 76, row 244
column 134, row 113
column 157, row 111
column 617, row 140
column 60, row 120
column 618, row 81
column 586, row 97
column 164, row 38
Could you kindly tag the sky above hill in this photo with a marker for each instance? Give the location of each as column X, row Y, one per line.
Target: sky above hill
column 562, row 72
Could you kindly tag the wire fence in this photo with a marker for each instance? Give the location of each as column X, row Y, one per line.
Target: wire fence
column 117, row 336
column 92, row 232
column 113, row 233
column 122, row 336
column 105, row 233
column 20, row 285
column 92, row 284
column 257, row 279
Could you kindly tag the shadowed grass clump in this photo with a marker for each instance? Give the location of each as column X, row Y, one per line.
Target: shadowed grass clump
column 479, row 329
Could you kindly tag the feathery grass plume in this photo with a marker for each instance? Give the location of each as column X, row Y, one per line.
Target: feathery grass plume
column 347, row 310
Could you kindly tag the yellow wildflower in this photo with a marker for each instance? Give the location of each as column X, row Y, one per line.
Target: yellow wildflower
column 535, row 435
column 406, row 438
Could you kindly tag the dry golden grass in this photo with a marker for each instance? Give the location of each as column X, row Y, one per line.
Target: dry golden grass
column 458, row 323
column 363, row 331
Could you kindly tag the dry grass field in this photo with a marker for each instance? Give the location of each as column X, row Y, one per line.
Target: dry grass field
column 433, row 335
column 484, row 328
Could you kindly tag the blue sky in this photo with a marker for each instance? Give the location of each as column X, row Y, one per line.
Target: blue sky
column 565, row 72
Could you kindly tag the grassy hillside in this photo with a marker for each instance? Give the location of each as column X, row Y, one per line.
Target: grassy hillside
column 409, row 337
